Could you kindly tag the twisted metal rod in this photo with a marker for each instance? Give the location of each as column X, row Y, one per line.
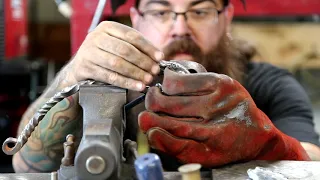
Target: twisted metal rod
column 68, row 91
column 34, row 121
column 174, row 66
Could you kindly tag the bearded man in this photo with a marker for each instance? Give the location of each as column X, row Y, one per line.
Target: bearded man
column 238, row 111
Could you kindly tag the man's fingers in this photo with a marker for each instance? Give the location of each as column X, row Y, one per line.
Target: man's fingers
column 114, row 78
column 161, row 140
column 180, row 106
column 179, row 127
column 121, row 66
column 133, row 37
column 204, row 106
column 111, row 55
column 126, row 51
column 187, row 151
column 201, row 83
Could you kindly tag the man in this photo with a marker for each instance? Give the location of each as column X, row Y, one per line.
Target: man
column 240, row 111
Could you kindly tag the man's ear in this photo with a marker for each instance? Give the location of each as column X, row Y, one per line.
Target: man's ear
column 229, row 12
column 134, row 15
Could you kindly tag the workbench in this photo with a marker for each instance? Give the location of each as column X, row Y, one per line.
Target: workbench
column 306, row 170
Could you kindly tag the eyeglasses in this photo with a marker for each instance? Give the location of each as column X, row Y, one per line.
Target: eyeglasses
column 164, row 19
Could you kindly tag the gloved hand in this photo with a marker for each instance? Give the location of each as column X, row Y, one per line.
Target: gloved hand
column 211, row 119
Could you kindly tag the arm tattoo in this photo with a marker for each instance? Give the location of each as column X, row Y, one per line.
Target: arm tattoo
column 44, row 149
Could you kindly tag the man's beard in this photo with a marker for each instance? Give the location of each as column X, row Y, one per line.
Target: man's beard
column 225, row 58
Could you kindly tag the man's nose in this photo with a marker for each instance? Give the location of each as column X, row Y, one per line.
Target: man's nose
column 180, row 27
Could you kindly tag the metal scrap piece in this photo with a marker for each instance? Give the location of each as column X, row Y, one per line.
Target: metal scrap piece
column 260, row 173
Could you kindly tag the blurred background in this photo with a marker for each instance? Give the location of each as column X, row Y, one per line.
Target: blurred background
column 36, row 40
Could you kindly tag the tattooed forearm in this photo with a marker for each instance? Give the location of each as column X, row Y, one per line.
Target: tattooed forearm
column 59, row 83
column 44, row 149
column 20, row 165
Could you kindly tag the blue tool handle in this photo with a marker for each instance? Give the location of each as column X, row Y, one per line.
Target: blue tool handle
column 148, row 167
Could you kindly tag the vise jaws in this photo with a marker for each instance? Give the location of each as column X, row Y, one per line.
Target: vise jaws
column 99, row 155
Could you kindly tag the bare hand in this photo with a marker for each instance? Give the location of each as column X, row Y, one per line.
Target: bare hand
column 116, row 54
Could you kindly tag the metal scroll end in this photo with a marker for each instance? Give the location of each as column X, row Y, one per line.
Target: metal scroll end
column 174, row 66
column 6, row 146
column 158, row 85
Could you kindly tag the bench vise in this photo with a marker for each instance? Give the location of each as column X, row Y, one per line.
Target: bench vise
column 102, row 153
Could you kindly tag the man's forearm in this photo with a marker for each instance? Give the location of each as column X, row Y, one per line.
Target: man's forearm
column 44, row 149
column 312, row 150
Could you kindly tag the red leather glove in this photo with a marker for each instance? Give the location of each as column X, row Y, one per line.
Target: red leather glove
column 211, row 119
